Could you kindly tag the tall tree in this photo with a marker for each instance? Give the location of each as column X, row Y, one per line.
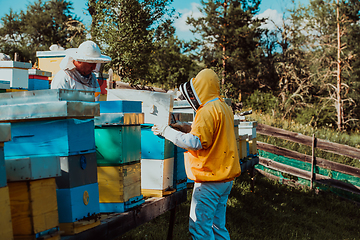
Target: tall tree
column 169, row 66
column 125, row 29
column 44, row 23
column 322, row 30
column 230, row 36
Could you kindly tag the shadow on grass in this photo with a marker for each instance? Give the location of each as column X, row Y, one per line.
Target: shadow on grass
column 272, row 211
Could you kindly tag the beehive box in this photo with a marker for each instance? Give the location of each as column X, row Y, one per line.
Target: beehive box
column 115, row 119
column 157, row 177
column 120, row 106
column 156, row 106
column 118, row 184
column 77, row 170
column 33, row 206
column 32, row 168
column 4, row 85
column 16, row 73
column 242, row 146
column 122, row 207
column 58, row 137
column 248, row 128
column 154, row 147
column 38, row 79
column 116, row 145
column 50, row 61
column 47, row 104
column 77, row 203
column 180, row 177
column 252, row 146
column 6, row 231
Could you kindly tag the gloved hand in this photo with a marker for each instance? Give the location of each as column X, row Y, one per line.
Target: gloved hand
column 159, row 129
column 182, row 126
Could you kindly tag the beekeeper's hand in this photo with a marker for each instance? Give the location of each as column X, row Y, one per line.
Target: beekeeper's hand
column 182, row 126
column 159, row 129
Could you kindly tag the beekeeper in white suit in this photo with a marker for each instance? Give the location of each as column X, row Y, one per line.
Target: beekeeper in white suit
column 212, row 159
column 76, row 69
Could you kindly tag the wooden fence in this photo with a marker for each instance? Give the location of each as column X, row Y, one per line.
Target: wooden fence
column 294, row 168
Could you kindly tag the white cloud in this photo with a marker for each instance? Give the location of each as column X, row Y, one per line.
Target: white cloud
column 180, row 23
column 275, row 19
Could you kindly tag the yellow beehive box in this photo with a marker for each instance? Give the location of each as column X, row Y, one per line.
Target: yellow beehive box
column 242, row 146
column 33, row 206
column 118, row 184
column 50, row 61
column 252, row 146
column 6, row 231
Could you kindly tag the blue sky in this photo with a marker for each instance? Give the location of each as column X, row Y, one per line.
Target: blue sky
column 273, row 9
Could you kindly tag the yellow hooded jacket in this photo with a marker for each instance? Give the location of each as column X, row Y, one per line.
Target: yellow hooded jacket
column 218, row 159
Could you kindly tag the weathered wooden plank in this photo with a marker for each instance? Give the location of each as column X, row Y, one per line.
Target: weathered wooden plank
column 330, row 182
column 320, row 162
column 284, row 168
column 117, row 224
column 306, row 140
column 307, row 175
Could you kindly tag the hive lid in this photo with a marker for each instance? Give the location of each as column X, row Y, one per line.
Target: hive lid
column 48, row 95
column 39, row 72
column 13, row 64
column 45, row 110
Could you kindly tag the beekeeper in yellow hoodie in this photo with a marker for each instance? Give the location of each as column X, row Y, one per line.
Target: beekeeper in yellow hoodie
column 212, row 159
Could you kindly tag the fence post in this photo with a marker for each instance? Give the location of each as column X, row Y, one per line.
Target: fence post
column 312, row 161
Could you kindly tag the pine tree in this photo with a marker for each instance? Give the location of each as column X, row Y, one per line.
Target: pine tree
column 230, row 37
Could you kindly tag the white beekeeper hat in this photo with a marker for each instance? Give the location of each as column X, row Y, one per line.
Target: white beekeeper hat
column 88, row 51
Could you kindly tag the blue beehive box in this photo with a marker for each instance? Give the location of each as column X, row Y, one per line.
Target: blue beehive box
column 121, row 207
column 77, row 203
column 57, row 137
column 154, row 147
column 180, row 176
column 38, row 84
column 121, row 106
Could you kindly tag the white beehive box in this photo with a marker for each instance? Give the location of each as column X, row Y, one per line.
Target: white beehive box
column 16, row 73
column 156, row 106
column 248, row 128
column 157, row 174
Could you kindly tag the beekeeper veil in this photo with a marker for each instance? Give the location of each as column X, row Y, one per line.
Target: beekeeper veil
column 88, row 52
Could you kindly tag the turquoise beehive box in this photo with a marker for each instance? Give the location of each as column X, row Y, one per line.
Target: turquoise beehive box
column 117, row 145
column 154, row 147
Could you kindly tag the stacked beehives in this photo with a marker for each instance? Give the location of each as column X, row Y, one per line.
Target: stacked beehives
column 14, row 76
column 39, row 79
column 6, row 231
column 246, row 142
column 117, row 136
column 53, row 135
column 157, row 153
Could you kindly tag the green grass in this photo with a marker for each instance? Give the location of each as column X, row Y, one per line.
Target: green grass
column 272, row 211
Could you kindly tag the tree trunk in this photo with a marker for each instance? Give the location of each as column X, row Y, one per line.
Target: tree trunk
column 338, row 104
